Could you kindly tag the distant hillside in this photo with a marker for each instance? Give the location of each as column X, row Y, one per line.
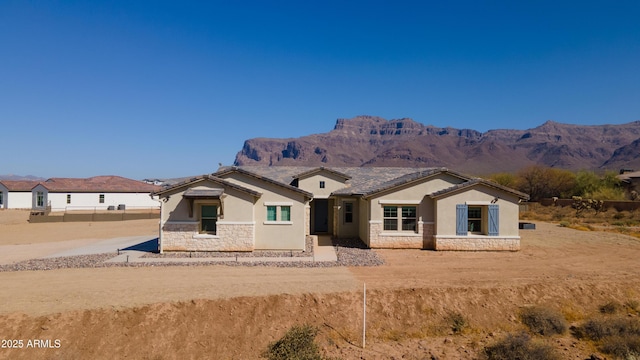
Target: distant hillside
column 374, row 141
column 20, row 177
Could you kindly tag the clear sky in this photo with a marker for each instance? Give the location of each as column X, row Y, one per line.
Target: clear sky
column 172, row 88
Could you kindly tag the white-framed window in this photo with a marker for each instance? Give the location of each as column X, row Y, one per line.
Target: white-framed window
column 348, row 212
column 322, row 184
column 68, row 198
column 278, row 213
column 403, row 218
column 101, row 198
column 40, row 199
column 1, row 198
column 208, row 219
column 285, row 213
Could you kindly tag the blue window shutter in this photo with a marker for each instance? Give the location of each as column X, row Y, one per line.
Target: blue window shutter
column 461, row 220
column 494, row 224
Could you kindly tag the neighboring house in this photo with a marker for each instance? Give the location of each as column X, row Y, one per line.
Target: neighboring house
column 94, row 193
column 251, row 208
column 631, row 181
column 16, row 194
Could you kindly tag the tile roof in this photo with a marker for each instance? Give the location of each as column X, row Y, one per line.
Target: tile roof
column 98, row 184
column 364, row 180
column 20, row 185
column 321, row 169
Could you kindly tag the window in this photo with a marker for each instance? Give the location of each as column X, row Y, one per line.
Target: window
column 271, row 213
column 321, row 184
column 409, row 218
column 474, row 219
column 285, row 213
column 39, row 199
column 1, row 198
column 390, row 218
column 208, row 219
column 68, row 198
column 477, row 219
column 101, row 199
column 348, row 212
column 400, row 217
column 278, row 213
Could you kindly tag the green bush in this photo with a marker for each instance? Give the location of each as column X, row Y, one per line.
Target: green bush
column 520, row 347
column 297, row 344
column 543, row 321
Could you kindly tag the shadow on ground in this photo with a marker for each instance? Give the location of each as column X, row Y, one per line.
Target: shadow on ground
column 147, row 246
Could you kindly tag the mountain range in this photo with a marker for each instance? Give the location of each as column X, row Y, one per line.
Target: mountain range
column 374, row 141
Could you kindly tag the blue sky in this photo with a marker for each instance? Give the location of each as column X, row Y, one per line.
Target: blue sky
column 172, row 88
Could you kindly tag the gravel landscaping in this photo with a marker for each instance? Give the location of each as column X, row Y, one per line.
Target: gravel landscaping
column 349, row 252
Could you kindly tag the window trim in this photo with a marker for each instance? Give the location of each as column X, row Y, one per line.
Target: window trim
column 322, row 184
column 39, row 199
column 68, row 198
column 101, row 198
column 346, row 218
column 278, row 214
column 398, row 219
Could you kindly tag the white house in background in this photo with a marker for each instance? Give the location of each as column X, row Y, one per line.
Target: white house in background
column 16, row 194
column 94, row 193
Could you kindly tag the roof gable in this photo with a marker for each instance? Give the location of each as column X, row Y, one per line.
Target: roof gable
column 415, row 177
column 477, row 182
column 236, row 170
column 19, row 185
column 198, row 179
column 322, row 169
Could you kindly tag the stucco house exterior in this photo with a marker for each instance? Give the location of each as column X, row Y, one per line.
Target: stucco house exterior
column 69, row 194
column 16, row 194
column 275, row 208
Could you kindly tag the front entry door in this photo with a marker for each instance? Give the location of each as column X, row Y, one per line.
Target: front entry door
column 321, row 216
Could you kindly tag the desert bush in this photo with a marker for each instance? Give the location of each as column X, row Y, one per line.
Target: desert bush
column 633, row 305
column 625, row 347
column 600, row 328
column 542, row 320
column 297, row 344
column 457, row 321
column 519, row 346
column 611, row 307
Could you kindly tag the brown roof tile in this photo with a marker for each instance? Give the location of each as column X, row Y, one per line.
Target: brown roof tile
column 98, row 184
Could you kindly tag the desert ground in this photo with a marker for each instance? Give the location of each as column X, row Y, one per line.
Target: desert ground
column 223, row 312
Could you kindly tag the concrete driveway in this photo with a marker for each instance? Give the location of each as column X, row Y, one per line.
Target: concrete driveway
column 15, row 253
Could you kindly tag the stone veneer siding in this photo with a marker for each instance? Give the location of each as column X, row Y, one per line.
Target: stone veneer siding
column 396, row 240
column 229, row 237
column 476, row 243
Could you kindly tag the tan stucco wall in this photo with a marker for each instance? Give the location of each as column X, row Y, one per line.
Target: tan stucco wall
column 508, row 209
column 312, row 184
column 342, row 228
column 275, row 235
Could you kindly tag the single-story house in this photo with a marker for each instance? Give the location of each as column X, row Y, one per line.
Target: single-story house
column 16, row 194
column 68, row 194
column 275, row 208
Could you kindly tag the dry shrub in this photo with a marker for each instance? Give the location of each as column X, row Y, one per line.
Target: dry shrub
column 542, row 320
column 457, row 322
column 298, row 343
column 618, row 336
column 612, row 307
column 519, row 346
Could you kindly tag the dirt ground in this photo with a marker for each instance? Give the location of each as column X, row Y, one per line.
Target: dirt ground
column 234, row 312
